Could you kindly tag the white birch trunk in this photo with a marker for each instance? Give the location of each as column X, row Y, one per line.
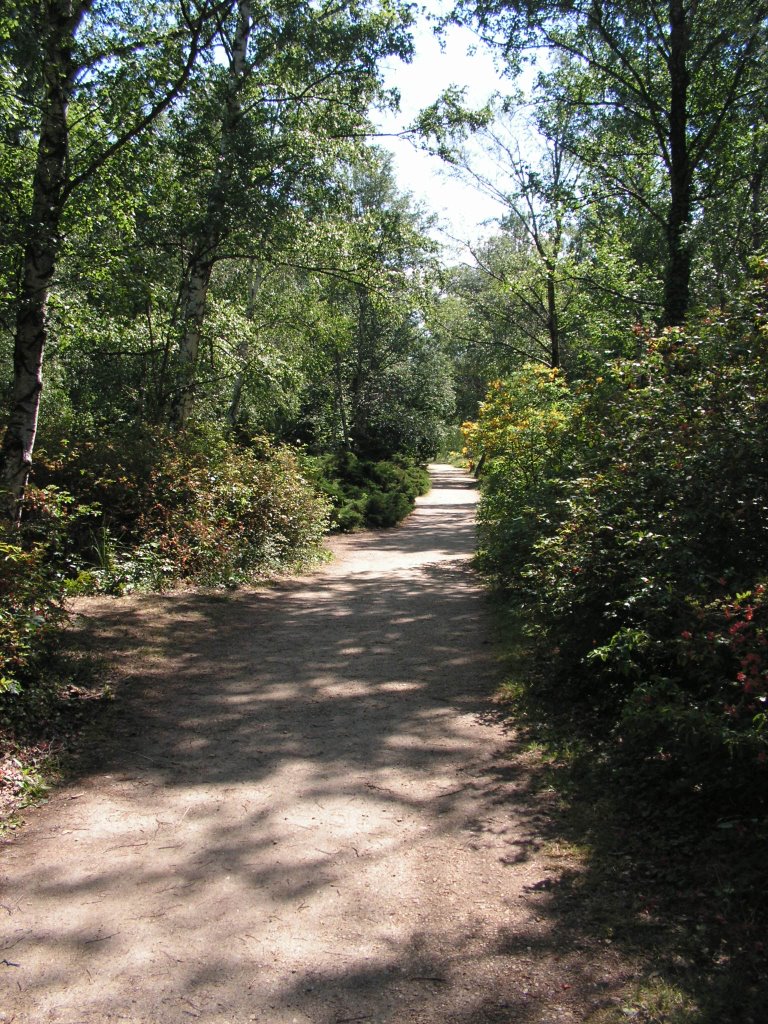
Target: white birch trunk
column 41, row 251
column 194, row 293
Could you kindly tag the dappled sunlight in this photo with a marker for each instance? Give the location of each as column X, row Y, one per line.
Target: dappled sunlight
column 301, row 788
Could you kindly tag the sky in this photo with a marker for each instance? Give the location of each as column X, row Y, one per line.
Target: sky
column 462, row 211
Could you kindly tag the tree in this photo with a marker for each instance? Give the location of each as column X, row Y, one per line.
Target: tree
column 260, row 134
column 120, row 66
column 540, row 197
column 381, row 382
column 281, row 118
column 664, row 80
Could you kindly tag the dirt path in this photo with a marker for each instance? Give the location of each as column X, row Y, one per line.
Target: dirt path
column 305, row 813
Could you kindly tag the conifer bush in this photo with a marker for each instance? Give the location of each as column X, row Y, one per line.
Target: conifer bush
column 364, row 493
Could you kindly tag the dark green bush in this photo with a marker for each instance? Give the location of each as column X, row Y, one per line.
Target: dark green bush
column 35, row 563
column 368, row 494
column 31, row 593
column 387, row 508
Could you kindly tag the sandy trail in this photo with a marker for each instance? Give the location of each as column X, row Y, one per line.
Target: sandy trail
column 304, row 812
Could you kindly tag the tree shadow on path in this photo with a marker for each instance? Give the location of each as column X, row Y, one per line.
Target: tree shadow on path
column 303, row 808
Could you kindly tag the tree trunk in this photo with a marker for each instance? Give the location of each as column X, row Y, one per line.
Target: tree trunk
column 756, row 192
column 677, row 283
column 57, row 26
column 62, row 18
column 254, row 285
column 340, row 401
column 365, row 339
column 553, row 322
column 194, row 293
column 193, row 300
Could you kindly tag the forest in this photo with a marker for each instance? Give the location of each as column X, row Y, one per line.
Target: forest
column 225, row 330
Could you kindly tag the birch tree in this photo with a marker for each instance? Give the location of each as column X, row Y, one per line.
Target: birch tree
column 194, row 290
column 120, row 65
column 539, row 195
column 292, row 105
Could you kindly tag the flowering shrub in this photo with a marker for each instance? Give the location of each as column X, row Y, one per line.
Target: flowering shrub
column 522, row 422
column 521, row 440
column 726, row 649
column 653, row 515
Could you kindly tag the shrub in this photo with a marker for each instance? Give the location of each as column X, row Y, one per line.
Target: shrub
column 641, row 553
column 222, row 515
column 193, row 508
column 521, row 439
column 365, row 493
column 34, row 564
column 31, row 594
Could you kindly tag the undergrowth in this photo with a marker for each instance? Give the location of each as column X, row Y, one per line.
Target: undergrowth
column 164, row 510
column 665, row 878
column 366, row 493
column 623, row 518
column 56, row 696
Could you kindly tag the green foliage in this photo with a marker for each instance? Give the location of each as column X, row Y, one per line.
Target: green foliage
column 521, row 439
column 221, row 514
column 31, row 592
column 368, row 494
column 643, row 558
column 39, row 686
column 193, row 508
column 448, row 121
column 660, row 117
